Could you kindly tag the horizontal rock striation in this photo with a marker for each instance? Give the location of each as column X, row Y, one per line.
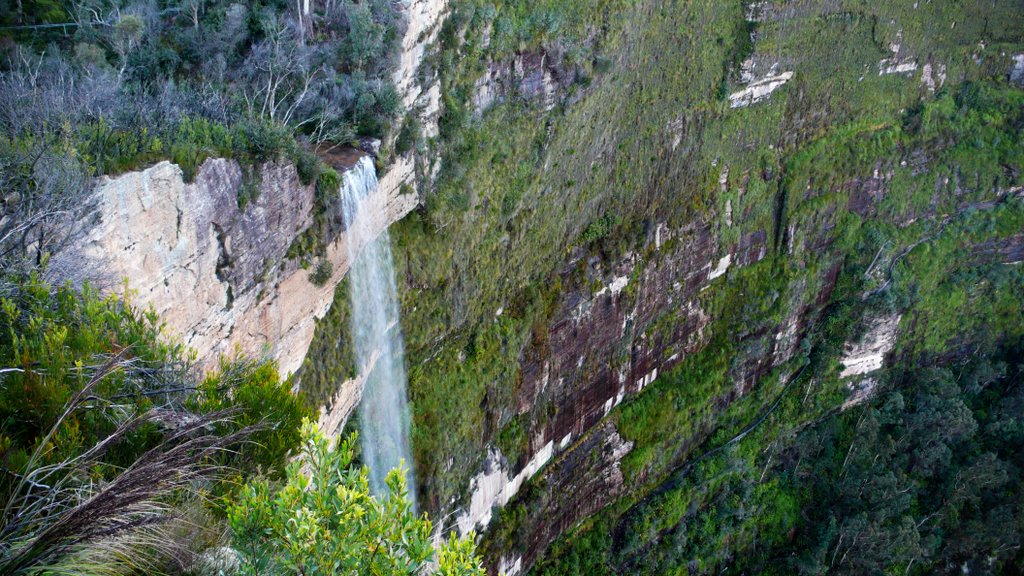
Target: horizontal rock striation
column 532, row 76
column 601, row 348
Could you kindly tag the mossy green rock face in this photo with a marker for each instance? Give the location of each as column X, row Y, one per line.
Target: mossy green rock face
column 652, row 228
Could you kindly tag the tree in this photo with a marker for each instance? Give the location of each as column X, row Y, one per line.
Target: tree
column 126, row 37
column 279, row 73
column 193, row 9
column 41, row 177
column 324, row 521
column 365, row 40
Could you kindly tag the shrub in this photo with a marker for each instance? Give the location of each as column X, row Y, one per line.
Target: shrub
column 258, row 398
column 264, row 141
column 307, row 165
column 600, row 228
column 324, row 521
column 249, row 190
column 96, row 441
column 408, row 136
column 91, row 56
column 49, row 339
column 322, row 274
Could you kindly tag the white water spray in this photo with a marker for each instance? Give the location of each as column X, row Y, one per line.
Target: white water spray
column 376, row 332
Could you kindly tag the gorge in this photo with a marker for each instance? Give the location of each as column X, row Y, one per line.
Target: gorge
column 644, row 287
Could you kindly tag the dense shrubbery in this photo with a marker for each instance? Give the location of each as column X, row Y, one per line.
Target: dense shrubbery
column 50, row 345
column 324, row 521
column 115, row 460
column 925, row 479
column 103, row 437
column 323, row 73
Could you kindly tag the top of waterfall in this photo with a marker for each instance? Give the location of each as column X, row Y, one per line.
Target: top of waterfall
column 341, row 158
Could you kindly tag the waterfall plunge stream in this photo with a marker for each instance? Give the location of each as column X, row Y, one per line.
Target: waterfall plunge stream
column 376, row 331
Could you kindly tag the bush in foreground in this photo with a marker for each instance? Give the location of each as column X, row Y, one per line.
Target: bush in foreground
column 324, row 520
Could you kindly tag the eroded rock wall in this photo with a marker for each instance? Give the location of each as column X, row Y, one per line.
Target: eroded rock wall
column 216, row 273
column 601, row 348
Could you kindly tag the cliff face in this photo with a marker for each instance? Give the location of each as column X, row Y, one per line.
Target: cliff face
column 218, row 275
column 421, row 93
column 604, row 347
column 643, row 232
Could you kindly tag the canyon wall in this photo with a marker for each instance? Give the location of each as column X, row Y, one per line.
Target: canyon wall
column 658, row 223
column 670, row 223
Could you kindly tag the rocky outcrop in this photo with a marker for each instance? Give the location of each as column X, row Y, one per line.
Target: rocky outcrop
column 933, row 77
column 758, row 89
column 898, row 62
column 583, row 481
column 652, row 310
column 583, row 373
column 216, row 273
column 532, row 76
column 421, row 94
column 862, row 358
column 424, row 18
column 1017, row 71
column 760, row 74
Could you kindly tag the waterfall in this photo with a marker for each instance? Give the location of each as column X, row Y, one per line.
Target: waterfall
column 376, row 332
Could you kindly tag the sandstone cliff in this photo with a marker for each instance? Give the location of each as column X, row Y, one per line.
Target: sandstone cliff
column 217, row 274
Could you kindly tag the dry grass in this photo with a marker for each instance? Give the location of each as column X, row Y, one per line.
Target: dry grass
column 60, row 520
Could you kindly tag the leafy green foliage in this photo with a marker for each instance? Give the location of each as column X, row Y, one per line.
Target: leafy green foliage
column 921, row 481
column 49, row 343
column 600, row 228
column 97, row 445
column 58, row 519
column 328, row 363
column 323, row 272
column 323, row 520
column 257, row 398
column 512, row 440
column 108, row 445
